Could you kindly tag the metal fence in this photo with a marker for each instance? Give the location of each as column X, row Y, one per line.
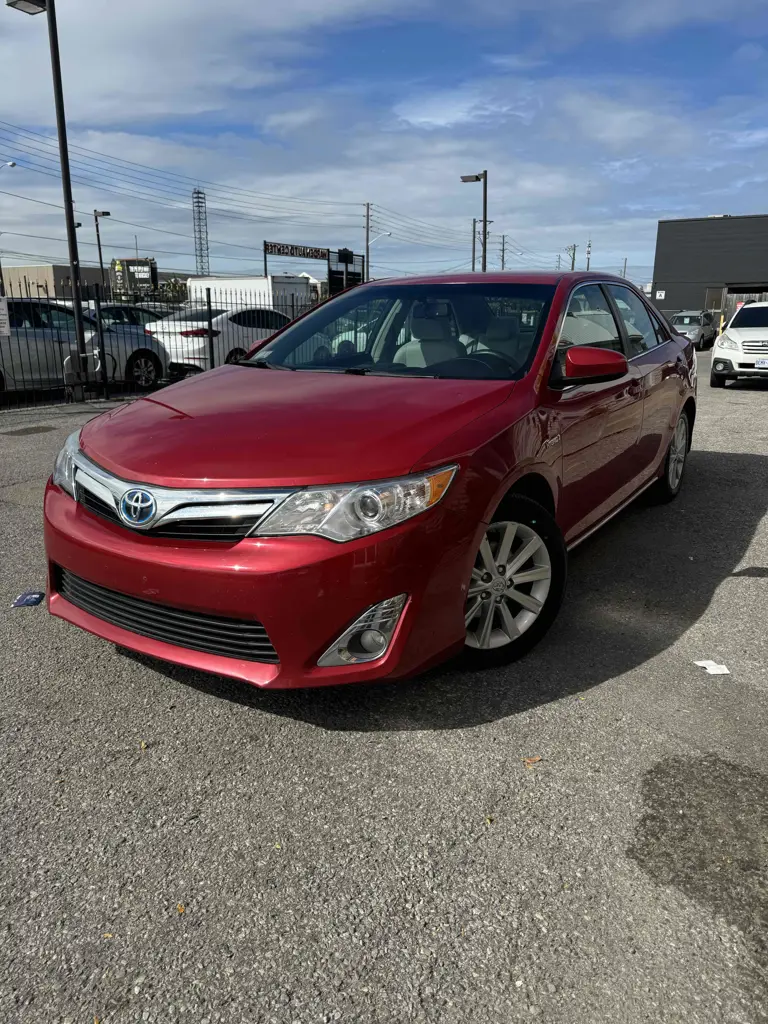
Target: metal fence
column 134, row 344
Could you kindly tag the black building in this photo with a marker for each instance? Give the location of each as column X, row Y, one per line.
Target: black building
column 710, row 263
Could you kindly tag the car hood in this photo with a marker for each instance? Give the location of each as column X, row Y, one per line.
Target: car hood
column 747, row 333
column 240, row 426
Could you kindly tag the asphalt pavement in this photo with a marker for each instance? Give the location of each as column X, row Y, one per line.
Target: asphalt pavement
column 175, row 847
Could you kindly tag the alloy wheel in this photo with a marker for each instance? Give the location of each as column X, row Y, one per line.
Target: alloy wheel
column 678, row 450
column 509, row 586
column 144, row 372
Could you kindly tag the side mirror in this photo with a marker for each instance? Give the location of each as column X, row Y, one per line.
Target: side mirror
column 587, row 365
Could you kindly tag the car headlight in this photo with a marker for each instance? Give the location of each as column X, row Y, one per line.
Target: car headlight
column 725, row 342
column 348, row 512
column 64, row 466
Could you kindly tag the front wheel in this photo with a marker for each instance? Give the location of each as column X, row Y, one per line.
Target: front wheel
column 517, row 584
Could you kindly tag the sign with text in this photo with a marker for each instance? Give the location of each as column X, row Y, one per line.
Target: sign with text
column 5, row 323
column 299, row 252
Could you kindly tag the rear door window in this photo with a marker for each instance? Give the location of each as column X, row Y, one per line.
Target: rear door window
column 641, row 332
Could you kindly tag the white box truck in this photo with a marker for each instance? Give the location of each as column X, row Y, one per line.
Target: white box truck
column 291, row 294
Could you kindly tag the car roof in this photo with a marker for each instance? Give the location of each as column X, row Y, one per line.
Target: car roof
column 553, row 277
column 752, row 305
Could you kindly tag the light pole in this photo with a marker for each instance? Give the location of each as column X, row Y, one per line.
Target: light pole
column 8, row 163
column 96, row 215
column 49, row 6
column 483, row 176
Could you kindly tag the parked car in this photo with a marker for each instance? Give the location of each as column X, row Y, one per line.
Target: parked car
column 125, row 315
column 184, row 335
column 160, row 308
column 742, row 349
column 698, row 325
column 43, row 342
column 304, row 518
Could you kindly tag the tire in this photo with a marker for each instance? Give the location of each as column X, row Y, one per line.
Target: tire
column 716, row 381
column 518, row 524
column 143, row 370
column 668, row 486
column 235, row 355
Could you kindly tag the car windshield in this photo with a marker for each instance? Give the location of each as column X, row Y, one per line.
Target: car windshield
column 686, row 320
column 477, row 331
column 751, row 316
column 194, row 316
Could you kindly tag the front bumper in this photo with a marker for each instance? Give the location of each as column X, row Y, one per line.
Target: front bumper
column 304, row 590
column 728, row 363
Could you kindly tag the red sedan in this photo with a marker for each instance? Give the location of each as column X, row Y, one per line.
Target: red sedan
column 394, row 478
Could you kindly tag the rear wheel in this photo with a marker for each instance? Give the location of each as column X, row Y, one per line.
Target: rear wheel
column 143, row 369
column 716, row 381
column 517, row 584
column 236, row 355
column 668, row 487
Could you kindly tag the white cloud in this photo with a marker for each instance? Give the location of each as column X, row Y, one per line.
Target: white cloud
column 619, row 124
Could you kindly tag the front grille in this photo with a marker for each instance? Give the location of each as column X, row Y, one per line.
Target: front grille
column 89, row 500
column 224, row 530
column 212, row 634
column 759, row 348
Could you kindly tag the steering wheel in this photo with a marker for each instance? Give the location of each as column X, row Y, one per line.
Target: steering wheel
column 495, row 359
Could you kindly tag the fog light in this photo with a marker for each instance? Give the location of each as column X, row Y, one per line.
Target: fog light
column 369, row 637
column 719, row 366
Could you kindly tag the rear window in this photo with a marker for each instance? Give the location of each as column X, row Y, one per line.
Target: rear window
column 751, row 316
column 194, row 316
column 686, row 320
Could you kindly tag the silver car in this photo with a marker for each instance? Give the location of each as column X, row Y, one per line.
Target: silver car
column 698, row 325
column 42, row 349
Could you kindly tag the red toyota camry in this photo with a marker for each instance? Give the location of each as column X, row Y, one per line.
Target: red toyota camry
column 393, row 478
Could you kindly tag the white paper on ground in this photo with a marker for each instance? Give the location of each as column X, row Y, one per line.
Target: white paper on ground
column 713, row 668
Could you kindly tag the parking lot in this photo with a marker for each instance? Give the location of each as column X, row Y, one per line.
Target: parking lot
column 179, row 847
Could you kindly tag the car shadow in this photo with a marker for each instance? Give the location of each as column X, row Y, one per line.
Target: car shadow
column 635, row 587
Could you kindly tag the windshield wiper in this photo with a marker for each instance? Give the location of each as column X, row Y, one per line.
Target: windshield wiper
column 264, row 364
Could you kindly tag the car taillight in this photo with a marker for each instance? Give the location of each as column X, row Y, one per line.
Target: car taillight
column 148, row 332
column 199, row 332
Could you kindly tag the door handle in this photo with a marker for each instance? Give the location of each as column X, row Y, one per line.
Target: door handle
column 635, row 388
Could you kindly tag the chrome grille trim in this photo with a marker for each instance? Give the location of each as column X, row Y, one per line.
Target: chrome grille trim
column 180, row 508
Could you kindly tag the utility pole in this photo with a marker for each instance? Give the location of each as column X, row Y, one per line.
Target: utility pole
column 571, row 250
column 136, row 243
column 559, row 260
column 503, row 251
column 624, row 272
column 367, row 241
column 589, row 252
column 474, row 242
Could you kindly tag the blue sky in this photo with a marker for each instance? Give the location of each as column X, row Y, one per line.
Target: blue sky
column 595, row 118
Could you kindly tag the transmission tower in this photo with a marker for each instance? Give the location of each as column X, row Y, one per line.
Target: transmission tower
column 200, row 226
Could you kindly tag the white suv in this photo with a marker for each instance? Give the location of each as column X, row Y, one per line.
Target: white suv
column 742, row 348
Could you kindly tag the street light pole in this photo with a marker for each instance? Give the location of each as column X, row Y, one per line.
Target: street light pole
column 49, row 6
column 474, row 243
column 8, row 163
column 96, row 215
column 485, row 221
column 483, row 177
